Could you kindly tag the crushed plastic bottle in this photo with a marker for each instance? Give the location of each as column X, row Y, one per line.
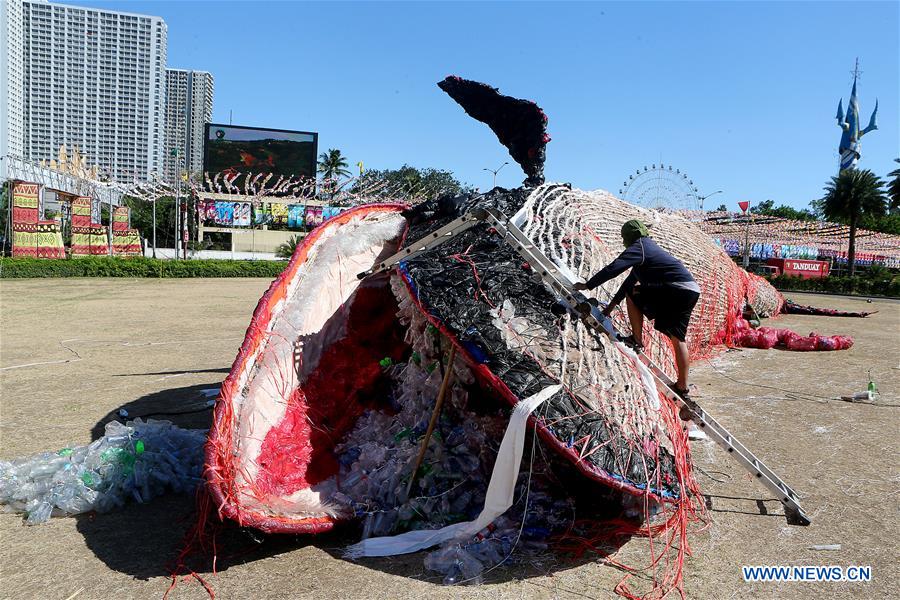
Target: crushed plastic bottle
column 135, row 461
column 456, row 564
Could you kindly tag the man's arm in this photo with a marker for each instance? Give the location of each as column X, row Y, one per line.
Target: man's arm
column 619, row 295
column 633, row 256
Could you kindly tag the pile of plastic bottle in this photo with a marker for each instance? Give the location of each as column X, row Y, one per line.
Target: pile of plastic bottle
column 378, row 455
column 138, row 460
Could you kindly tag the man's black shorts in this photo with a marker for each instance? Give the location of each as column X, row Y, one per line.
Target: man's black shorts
column 670, row 307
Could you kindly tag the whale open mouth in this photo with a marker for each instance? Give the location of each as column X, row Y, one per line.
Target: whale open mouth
column 308, row 364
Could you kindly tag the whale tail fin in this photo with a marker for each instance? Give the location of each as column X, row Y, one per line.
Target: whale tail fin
column 520, row 125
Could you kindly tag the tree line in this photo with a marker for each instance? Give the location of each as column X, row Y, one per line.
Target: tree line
column 425, row 183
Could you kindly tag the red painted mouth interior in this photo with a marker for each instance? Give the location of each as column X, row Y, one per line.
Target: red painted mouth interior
column 298, row 452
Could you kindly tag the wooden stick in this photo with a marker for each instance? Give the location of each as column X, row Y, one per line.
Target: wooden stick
column 434, row 417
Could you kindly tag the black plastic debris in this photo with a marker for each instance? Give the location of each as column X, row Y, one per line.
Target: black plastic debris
column 520, row 125
column 446, row 283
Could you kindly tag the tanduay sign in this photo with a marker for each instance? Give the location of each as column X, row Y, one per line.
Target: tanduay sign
column 795, row 267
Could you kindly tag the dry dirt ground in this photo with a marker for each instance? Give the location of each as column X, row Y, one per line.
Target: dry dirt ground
column 75, row 351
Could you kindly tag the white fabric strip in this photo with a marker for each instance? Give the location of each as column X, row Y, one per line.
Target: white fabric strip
column 499, row 498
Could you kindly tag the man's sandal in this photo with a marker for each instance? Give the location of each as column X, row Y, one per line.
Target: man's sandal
column 684, row 414
column 632, row 343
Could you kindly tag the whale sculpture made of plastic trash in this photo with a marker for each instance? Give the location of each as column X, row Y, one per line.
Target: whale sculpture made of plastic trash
column 313, row 358
column 319, row 351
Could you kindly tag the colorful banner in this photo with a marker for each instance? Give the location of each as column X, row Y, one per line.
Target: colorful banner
column 279, row 214
column 241, row 214
column 800, row 268
column 331, row 211
column 48, row 240
column 25, row 202
column 81, row 211
column 262, row 214
column 313, row 216
column 775, row 237
column 224, row 213
column 295, row 216
column 206, row 211
column 88, row 236
column 127, row 243
column 88, row 241
column 121, row 218
column 24, row 243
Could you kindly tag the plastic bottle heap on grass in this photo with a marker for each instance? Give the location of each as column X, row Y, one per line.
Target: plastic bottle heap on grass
column 138, row 460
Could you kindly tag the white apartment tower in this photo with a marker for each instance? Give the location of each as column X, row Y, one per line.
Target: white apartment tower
column 94, row 79
column 11, row 82
column 189, row 100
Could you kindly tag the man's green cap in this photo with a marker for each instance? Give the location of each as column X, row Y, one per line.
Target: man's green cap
column 633, row 230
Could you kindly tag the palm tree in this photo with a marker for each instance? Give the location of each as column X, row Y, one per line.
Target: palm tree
column 848, row 197
column 286, row 249
column 894, row 187
column 333, row 165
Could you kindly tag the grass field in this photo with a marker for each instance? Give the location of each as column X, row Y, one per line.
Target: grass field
column 74, row 351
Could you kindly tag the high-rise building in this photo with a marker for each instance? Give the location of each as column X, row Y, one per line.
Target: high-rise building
column 11, row 82
column 94, row 79
column 189, row 100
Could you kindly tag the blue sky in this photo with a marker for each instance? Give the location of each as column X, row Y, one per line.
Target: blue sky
column 739, row 95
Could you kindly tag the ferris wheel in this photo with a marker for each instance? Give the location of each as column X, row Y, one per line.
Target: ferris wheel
column 660, row 187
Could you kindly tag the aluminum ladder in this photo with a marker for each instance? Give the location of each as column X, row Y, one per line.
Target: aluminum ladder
column 560, row 284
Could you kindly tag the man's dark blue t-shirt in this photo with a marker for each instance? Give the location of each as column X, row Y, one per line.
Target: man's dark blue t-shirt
column 650, row 265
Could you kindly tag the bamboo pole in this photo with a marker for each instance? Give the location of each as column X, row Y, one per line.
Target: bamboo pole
column 434, row 417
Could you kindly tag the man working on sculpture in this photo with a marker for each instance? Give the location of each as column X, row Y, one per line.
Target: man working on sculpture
column 659, row 287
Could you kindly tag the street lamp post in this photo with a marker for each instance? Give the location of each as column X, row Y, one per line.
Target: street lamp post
column 154, row 227
column 184, row 212
column 707, row 196
column 111, row 229
column 747, row 240
column 174, row 153
column 702, row 215
column 495, row 171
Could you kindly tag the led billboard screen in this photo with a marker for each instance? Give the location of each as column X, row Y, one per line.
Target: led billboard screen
column 252, row 150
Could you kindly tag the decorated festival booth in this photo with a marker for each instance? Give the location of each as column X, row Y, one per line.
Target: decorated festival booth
column 32, row 236
column 71, row 192
column 126, row 241
column 89, row 238
column 35, row 237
